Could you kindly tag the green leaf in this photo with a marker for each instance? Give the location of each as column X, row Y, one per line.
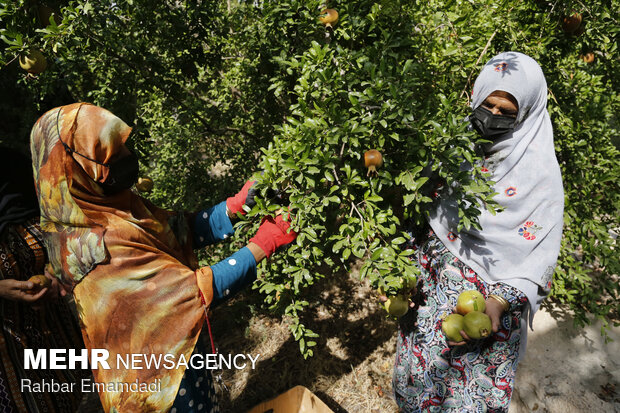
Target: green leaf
column 346, row 254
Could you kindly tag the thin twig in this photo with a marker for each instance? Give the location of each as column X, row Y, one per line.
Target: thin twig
column 354, row 208
column 553, row 96
column 481, row 56
column 11, row 61
column 542, row 28
column 456, row 34
column 355, row 374
column 471, row 72
column 336, row 175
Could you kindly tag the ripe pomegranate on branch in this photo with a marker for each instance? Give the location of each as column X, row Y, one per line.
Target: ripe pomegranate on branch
column 373, row 160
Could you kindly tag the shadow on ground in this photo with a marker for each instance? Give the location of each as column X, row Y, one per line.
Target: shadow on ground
column 567, row 369
column 352, row 327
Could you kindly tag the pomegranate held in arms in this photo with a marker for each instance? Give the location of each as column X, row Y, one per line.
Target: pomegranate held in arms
column 469, row 301
column 40, row 281
column 477, row 325
column 452, row 326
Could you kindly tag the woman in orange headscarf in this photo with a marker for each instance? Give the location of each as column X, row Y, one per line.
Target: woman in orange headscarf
column 130, row 264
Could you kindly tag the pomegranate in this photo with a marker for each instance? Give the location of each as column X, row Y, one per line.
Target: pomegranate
column 452, row 326
column 571, row 23
column 477, row 325
column 144, row 184
column 33, row 61
column 397, row 306
column 329, row 17
column 40, row 281
column 469, row 301
column 588, row 57
column 373, row 160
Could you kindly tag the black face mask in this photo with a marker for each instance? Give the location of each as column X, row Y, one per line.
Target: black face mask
column 122, row 174
column 491, row 126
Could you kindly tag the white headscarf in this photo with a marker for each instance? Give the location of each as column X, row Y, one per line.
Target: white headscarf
column 520, row 245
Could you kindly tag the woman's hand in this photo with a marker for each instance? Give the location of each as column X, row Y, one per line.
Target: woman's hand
column 53, row 291
column 494, row 309
column 460, row 343
column 272, row 234
column 15, row 290
column 234, row 204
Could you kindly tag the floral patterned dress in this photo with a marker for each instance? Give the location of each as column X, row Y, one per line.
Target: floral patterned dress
column 430, row 376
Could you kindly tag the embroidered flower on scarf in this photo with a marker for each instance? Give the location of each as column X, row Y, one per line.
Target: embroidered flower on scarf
column 528, row 230
column 436, row 191
column 510, row 191
column 451, row 236
column 501, row 67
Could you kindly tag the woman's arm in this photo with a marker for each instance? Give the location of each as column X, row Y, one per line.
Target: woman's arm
column 212, row 225
column 234, row 273
column 15, row 290
column 501, row 298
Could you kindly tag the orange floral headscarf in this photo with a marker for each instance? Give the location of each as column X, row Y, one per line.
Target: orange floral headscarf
column 130, row 264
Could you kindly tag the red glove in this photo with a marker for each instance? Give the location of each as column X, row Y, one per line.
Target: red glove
column 243, row 197
column 272, row 234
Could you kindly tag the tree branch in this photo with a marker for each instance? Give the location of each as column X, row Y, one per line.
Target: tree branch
column 471, row 72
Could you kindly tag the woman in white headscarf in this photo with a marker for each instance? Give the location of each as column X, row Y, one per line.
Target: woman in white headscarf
column 510, row 260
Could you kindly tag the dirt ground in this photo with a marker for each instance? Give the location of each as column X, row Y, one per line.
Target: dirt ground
column 568, row 370
column 352, row 366
column 565, row 370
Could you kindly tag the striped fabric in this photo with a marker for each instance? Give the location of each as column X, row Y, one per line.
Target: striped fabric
column 53, row 326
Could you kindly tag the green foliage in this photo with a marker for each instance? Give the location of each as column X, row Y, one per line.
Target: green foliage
column 217, row 93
